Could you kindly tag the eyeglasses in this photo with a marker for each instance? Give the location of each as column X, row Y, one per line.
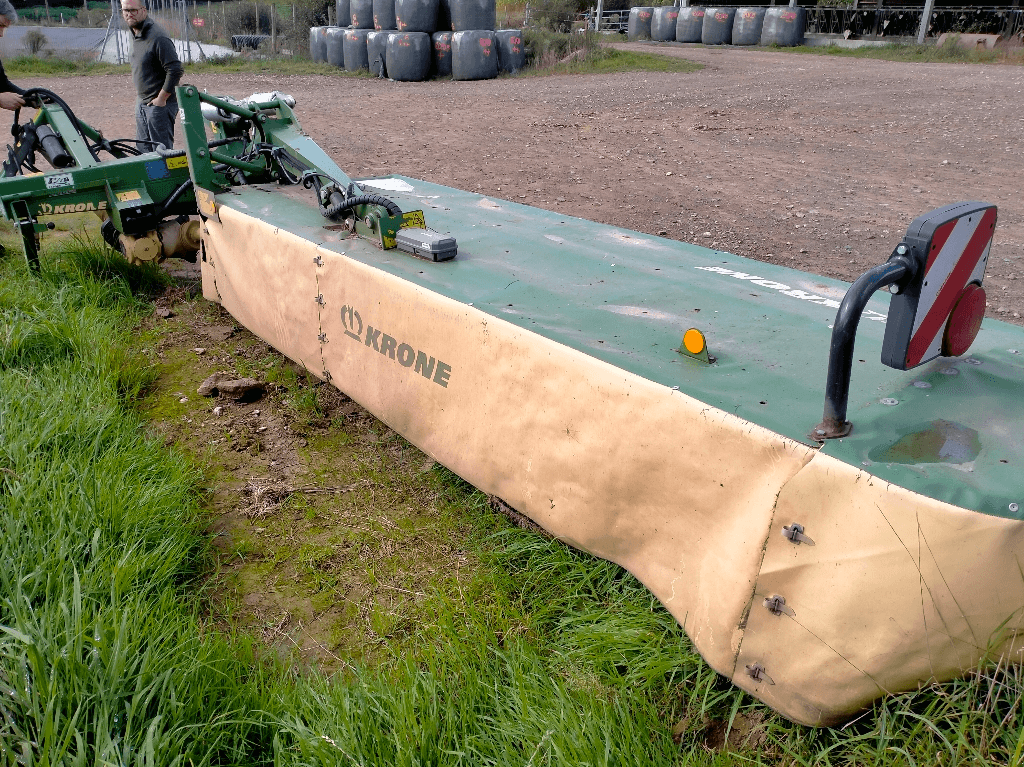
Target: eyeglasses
column 131, row 11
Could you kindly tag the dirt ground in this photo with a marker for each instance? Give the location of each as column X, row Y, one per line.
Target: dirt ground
column 332, row 531
column 811, row 161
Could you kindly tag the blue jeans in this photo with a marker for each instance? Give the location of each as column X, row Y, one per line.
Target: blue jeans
column 155, row 124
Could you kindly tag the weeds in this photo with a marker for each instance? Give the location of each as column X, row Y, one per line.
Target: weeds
column 586, row 53
column 950, row 52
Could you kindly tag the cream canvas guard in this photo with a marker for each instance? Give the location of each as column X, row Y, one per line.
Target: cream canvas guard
column 897, row 588
column 689, row 498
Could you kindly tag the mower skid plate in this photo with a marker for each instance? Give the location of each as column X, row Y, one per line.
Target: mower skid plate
column 541, row 365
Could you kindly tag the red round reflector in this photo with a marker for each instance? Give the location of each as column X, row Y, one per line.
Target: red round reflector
column 964, row 321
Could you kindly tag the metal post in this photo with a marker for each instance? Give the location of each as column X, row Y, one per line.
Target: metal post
column 900, row 266
column 273, row 30
column 879, row 4
column 925, row 17
column 600, row 12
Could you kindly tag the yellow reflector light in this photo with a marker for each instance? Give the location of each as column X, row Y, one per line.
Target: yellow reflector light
column 693, row 341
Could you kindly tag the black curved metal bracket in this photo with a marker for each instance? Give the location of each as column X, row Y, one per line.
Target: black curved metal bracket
column 898, row 270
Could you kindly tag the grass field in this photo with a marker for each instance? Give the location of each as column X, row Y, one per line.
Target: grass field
column 118, row 645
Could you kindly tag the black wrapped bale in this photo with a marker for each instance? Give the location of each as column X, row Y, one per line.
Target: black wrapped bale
column 663, row 23
column 416, row 15
column 639, row 25
column 473, row 55
column 441, row 55
column 355, row 50
column 384, row 14
column 784, row 26
column 473, row 15
column 408, row 56
column 336, row 46
column 746, row 27
column 361, row 13
column 376, row 52
column 342, row 12
column 717, row 28
column 689, row 25
column 511, row 51
column 318, row 44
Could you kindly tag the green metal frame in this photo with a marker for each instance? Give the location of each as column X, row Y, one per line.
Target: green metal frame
column 132, row 189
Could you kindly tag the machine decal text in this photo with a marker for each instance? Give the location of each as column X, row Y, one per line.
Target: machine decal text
column 59, row 180
column 49, row 209
column 405, row 355
column 786, row 290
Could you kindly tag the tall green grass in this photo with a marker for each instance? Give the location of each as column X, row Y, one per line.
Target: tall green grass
column 546, row 656
column 102, row 657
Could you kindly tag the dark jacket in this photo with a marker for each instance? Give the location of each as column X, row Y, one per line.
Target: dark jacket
column 6, row 86
column 155, row 64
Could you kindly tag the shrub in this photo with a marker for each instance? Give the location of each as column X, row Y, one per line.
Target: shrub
column 34, row 41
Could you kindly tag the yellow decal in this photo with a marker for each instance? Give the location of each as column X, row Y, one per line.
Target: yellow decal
column 173, row 163
column 128, row 196
column 205, row 203
column 413, row 220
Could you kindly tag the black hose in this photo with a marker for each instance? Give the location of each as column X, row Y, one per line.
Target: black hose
column 173, row 198
column 43, row 93
column 363, row 199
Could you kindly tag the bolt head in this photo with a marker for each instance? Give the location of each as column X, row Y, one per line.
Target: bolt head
column 902, row 250
column 1014, row 507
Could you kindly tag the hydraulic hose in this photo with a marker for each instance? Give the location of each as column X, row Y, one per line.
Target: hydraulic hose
column 173, row 198
column 43, row 93
column 363, row 199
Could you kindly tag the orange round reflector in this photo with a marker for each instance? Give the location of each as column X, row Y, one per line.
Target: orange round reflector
column 693, row 341
column 964, row 321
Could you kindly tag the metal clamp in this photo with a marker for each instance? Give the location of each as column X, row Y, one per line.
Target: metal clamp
column 795, row 533
column 320, row 299
column 776, row 605
column 756, row 672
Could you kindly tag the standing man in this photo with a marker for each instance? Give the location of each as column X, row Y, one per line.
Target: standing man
column 156, row 69
column 10, row 94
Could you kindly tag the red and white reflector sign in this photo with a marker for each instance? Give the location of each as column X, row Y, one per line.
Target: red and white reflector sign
column 939, row 313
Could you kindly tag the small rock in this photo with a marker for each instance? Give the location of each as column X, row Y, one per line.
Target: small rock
column 256, row 412
column 561, row 199
column 218, row 411
column 183, row 400
column 218, row 332
column 199, row 350
column 662, row 233
column 707, row 234
column 225, row 383
column 669, row 173
column 945, row 162
column 164, row 312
